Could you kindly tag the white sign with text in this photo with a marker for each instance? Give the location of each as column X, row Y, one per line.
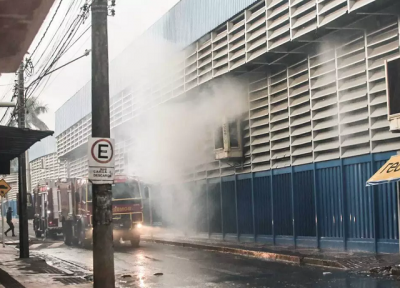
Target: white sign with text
column 101, row 160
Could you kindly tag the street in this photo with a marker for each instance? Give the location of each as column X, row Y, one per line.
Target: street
column 187, row 267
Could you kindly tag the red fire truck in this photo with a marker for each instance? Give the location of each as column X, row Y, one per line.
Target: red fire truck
column 46, row 209
column 76, row 210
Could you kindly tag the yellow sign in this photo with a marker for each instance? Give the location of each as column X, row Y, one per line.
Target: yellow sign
column 4, row 188
column 388, row 172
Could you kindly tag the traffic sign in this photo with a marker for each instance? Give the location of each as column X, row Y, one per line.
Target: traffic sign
column 101, row 160
column 4, row 188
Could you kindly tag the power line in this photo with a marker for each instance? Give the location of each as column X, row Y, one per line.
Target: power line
column 58, row 29
column 60, row 49
column 47, row 29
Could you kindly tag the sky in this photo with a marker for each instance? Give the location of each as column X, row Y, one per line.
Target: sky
column 132, row 18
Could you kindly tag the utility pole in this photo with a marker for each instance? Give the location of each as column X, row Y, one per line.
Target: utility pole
column 22, row 199
column 103, row 250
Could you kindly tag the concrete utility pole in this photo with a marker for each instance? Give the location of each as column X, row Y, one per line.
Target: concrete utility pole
column 103, row 250
column 22, row 199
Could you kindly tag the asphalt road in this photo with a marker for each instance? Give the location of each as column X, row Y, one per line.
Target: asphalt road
column 187, row 267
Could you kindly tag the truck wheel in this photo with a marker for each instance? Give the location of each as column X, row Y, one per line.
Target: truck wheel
column 82, row 242
column 53, row 235
column 67, row 235
column 135, row 243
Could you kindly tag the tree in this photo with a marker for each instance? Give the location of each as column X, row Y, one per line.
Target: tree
column 34, row 108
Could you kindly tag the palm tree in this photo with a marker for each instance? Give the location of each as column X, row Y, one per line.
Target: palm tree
column 34, row 108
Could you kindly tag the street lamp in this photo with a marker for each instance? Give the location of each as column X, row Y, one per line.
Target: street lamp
column 7, row 104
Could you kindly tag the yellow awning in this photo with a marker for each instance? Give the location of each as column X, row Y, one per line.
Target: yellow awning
column 387, row 173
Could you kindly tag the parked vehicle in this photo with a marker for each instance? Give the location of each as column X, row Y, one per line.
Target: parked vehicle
column 46, row 209
column 76, row 210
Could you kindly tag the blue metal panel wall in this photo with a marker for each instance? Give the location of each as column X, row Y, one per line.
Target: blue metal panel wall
column 200, row 206
column 214, row 207
column 282, row 204
column 329, row 202
column 303, row 183
column 245, row 212
column 386, row 209
column 349, row 214
column 262, row 205
column 359, row 214
column 229, row 206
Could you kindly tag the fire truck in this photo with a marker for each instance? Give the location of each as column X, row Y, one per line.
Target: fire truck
column 75, row 198
column 46, row 209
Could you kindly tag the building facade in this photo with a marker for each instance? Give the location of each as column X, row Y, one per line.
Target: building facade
column 44, row 162
column 314, row 125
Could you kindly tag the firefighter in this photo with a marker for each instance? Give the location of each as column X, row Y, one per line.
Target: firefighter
column 9, row 222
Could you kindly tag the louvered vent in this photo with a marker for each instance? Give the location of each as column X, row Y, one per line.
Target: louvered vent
column 237, row 42
column 300, row 113
column 324, row 105
column 303, row 15
column 279, row 119
column 356, row 4
column 353, row 100
column 256, row 31
column 220, row 51
column 329, row 10
column 204, row 60
column 259, row 124
column 191, row 67
column 278, row 23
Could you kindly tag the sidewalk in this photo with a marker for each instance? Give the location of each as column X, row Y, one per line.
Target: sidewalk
column 33, row 272
column 354, row 261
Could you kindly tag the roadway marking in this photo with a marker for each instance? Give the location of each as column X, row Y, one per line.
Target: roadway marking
column 55, row 245
column 177, row 257
column 34, row 246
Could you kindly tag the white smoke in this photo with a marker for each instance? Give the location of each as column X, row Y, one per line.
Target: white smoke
column 169, row 140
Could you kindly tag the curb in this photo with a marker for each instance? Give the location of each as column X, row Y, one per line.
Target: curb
column 278, row 257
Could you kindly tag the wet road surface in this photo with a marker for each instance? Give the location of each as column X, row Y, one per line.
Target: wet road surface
column 187, row 267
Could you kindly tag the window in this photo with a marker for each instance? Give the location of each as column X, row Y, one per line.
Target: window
column 233, row 134
column 219, row 139
column 125, row 190
column 393, row 72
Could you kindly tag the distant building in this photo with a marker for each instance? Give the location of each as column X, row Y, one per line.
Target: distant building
column 44, row 163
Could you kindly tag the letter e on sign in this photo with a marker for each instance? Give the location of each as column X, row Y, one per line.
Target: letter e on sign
column 101, row 152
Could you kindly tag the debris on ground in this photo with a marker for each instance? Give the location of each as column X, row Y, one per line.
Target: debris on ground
column 158, row 274
column 326, row 273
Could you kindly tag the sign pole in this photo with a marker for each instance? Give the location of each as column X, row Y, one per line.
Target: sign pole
column 103, row 251
column 22, row 203
column 2, row 221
